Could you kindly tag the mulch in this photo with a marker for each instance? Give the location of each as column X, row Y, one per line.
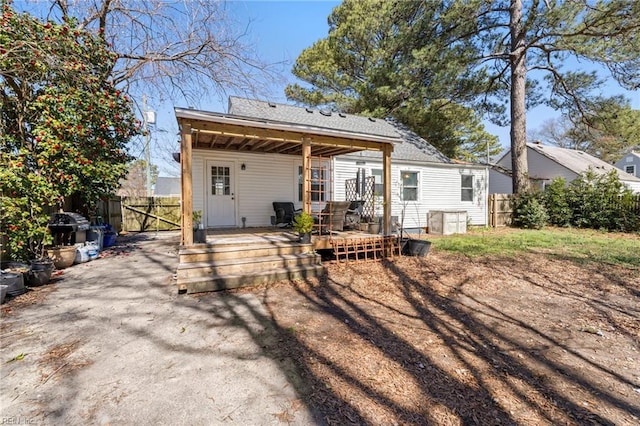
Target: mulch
column 449, row 340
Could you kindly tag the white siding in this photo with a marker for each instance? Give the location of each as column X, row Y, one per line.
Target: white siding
column 440, row 188
column 499, row 183
column 633, row 186
column 540, row 167
column 630, row 159
column 267, row 178
column 272, row 177
column 545, row 168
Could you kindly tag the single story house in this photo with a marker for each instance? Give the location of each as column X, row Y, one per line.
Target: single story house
column 546, row 163
column 235, row 165
column 630, row 163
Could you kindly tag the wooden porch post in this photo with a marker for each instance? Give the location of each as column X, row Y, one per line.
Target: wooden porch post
column 187, row 186
column 306, row 175
column 386, row 171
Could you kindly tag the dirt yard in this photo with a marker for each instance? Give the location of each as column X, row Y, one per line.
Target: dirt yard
column 447, row 340
column 442, row 340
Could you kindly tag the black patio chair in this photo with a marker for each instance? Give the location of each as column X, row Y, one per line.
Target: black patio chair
column 285, row 212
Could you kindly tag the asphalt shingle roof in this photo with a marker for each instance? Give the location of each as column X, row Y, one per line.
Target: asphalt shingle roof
column 310, row 117
column 579, row 161
column 413, row 147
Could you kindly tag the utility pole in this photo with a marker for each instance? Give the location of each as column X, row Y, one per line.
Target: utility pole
column 148, row 117
column 488, row 156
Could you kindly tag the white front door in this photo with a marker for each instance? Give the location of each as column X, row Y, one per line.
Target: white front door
column 221, row 205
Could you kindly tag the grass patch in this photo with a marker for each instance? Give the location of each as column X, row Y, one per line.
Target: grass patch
column 584, row 246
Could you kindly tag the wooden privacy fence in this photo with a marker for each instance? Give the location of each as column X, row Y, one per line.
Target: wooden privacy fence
column 150, row 213
column 499, row 210
column 110, row 210
column 635, row 204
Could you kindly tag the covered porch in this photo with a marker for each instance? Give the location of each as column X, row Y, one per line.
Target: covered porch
column 239, row 136
column 246, row 163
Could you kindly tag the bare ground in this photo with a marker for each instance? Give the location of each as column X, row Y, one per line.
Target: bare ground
column 448, row 340
column 532, row 340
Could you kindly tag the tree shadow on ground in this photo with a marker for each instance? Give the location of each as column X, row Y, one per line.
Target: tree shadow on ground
column 408, row 341
column 499, row 364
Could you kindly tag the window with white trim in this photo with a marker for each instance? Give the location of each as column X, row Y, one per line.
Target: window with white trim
column 631, row 169
column 409, row 181
column 379, row 186
column 318, row 184
column 466, row 185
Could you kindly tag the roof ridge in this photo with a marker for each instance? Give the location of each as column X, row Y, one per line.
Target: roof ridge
column 315, row 107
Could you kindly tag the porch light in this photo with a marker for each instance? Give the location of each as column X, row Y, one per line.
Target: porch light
column 243, row 167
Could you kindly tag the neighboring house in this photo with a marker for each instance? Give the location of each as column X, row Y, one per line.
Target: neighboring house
column 501, row 180
column 630, row 163
column 167, row 187
column 546, row 163
column 244, row 160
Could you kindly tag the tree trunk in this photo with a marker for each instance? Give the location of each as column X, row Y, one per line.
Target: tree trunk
column 517, row 59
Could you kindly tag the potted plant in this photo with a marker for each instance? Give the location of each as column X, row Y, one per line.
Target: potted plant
column 199, row 233
column 303, row 224
column 374, row 227
column 41, row 265
column 62, row 256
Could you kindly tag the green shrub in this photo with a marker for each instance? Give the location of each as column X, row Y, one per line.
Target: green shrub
column 529, row 211
column 303, row 223
column 556, row 202
column 601, row 201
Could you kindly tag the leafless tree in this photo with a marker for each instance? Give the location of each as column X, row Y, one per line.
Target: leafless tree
column 135, row 184
column 172, row 49
column 184, row 51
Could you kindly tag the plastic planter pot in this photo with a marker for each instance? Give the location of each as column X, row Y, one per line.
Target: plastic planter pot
column 109, row 239
column 412, row 247
column 305, row 238
column 40, row 272
column 62, row 256
column 13, row 283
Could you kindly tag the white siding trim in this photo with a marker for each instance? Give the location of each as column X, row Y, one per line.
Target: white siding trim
column 439, row 188
column 267, row 178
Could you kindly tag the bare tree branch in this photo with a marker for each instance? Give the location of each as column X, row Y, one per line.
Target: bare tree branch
column 185, row 49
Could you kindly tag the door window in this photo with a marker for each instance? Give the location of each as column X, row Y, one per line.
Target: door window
column 220, row 180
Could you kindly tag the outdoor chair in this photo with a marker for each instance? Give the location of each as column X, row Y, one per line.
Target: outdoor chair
column 285, row 212
column 354, row 214
column 333, row 215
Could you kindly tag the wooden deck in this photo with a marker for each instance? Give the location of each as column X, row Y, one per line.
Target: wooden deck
column 233, row 258
column 345, row 244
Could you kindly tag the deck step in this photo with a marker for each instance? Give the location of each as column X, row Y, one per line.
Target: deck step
column 245, row 265
column 230, row 281
column 215, row 252
column 236, row 263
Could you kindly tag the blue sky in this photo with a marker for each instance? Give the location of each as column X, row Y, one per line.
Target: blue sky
column 279, row 31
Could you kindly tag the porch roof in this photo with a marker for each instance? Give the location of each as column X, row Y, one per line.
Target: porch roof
column 243, row 133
